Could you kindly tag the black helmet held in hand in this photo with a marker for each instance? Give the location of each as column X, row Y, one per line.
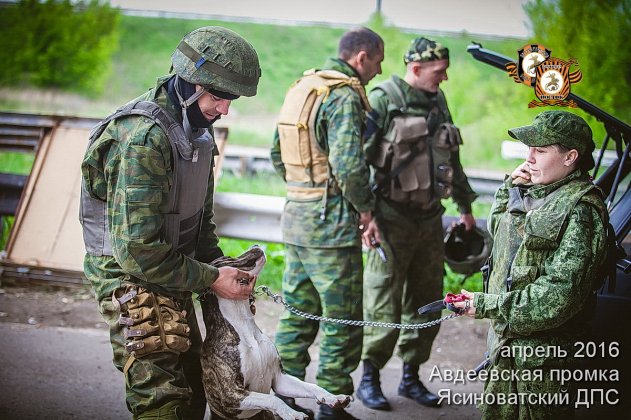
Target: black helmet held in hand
column 466, row 251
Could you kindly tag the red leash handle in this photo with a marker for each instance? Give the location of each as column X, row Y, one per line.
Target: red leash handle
column 450, row 298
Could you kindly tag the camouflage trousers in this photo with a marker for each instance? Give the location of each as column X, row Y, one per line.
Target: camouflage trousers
column 159, row 378
column 328, row 282
column 393, row 291
column 525, row 409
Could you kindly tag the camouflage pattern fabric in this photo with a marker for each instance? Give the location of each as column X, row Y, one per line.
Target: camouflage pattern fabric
column 339, row 125
column 414, row 242
column 550, row 297
column 135, row 152
column 393, row 291
column 218, row 59
column 551, row 127
column 527, row 411
column 418, row 103
column 323, row 273
column 158, row 378
column 559, row 127
column 423, row 49
column 325, row 282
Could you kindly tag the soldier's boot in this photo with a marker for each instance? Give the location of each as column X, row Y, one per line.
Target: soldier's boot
column 328, row 413
column 412, row 387
column 292, row 403
column 173, row 410
column 369, row 389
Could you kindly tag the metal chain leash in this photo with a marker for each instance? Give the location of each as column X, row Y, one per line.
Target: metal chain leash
column 279, row 299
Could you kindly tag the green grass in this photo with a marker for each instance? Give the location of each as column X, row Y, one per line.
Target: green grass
column 454, row 282
column 264, row 184
column 16, row 162
column 146, row 45
column 6, row 225
column 484, row 101
column 12, row 163
column 261, row 137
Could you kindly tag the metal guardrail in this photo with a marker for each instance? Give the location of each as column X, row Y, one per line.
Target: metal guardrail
column 257, row 217
column 238, row 215
column 23, row 132
column 247, row 161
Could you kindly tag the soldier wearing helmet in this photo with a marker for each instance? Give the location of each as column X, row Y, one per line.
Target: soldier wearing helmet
column 549, row 229
column 412, row 147
column 147, row 216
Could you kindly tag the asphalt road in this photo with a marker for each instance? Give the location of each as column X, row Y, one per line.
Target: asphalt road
column 52, row 372
column 58, row 373
column 55, row 360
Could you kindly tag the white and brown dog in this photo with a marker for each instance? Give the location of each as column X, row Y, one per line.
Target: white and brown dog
column 241, row 365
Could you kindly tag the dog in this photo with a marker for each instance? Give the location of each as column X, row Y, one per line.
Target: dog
column 241, row 365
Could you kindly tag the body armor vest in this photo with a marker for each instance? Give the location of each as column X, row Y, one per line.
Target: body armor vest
column 534, row 228
column 192, row 163
column 414, row 160
column 308, row 174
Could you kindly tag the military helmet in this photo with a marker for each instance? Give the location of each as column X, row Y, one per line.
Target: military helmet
column 467, row 250
column 218, row 59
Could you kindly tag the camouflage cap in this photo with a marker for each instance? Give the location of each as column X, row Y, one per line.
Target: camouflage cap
column 557, row 127
column 218, row 58
column 423, row 49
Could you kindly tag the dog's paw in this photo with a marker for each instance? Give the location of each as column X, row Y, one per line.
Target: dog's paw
column 335, row 401
column 292, row 415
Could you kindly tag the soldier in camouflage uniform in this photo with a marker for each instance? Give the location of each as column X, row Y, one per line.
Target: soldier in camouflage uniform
column 549, row 228
column 147, row 216
column 328, row 200
column 412, row 146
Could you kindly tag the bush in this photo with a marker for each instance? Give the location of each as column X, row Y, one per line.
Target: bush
column 58, row 44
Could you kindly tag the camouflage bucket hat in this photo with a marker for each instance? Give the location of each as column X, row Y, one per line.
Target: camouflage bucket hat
column 423, row 49
column 218, row 59
column 558, row 127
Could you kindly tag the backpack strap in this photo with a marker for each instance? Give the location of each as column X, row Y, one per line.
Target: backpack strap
column 394, row 93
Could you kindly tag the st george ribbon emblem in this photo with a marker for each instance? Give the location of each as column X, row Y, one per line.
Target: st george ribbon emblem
column 550, row 76
column 553, row 83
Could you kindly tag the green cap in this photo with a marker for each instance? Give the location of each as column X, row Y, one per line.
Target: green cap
column 558, row 127
column 219, row 59
column 423, row 49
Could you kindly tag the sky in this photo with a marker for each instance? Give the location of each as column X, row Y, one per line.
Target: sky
column 504, row 18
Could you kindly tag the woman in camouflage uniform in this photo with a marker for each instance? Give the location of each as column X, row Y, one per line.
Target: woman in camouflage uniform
column 549, row 228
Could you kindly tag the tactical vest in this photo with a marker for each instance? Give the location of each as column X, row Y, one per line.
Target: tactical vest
column 308, row 174
column 541, row 229
column 192, row 163
column 414, row 159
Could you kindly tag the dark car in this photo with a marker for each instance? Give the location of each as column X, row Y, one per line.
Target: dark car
column 608, row 349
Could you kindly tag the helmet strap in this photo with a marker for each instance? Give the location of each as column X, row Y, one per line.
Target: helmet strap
column 192, row 118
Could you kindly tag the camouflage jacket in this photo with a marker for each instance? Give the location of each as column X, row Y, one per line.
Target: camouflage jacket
column 418, row 103
column 548, row 244
column 339, row 126
column 134, row 151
